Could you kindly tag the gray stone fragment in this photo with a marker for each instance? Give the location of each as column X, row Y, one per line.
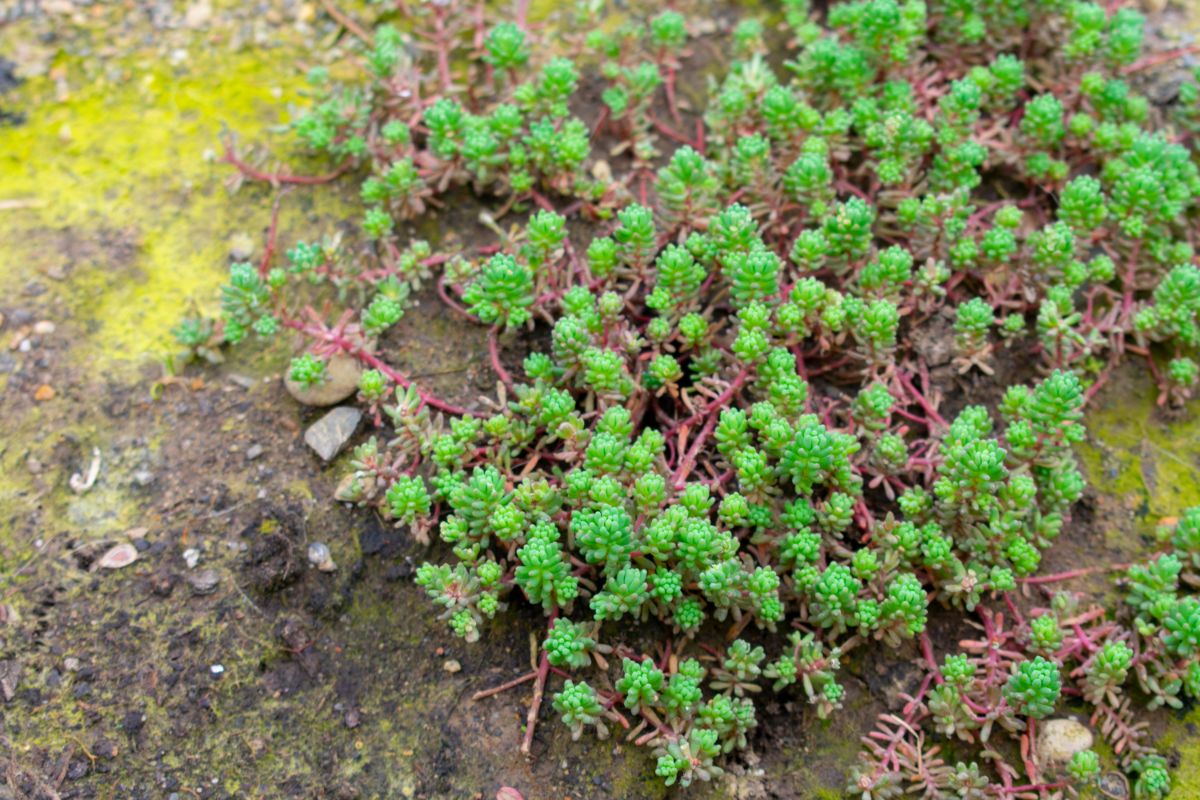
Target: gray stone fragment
column 10, row 676
column 328, row 435
column 204, row 582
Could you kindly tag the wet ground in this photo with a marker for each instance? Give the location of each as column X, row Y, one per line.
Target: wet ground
column 220, row 663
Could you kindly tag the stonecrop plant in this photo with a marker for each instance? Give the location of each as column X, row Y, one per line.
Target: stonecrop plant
column 726, row 469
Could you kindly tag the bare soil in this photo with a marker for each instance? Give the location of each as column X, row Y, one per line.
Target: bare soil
column 268, row 678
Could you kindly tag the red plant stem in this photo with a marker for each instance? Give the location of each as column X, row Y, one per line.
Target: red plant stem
column 668, row 131
column 911, row 417
column 710, row 411
column 1016, row 612
column 846, row 186
column 829, row 367
column 1084, row 639
column 1087, row 616
column 444, row 293
column 1026, row 740
column 494, row 352
column 865, row 519
column 430, row 399
column 689, row 459
column 720, row 480
column 478, row 39
column 669, row 84
column 916, row 701
column 600, row 120
column 976, row 707
column 930, row 661
column 265, row 264
column 1097, row 385
column 275, row 178
column 974, row 219
column 539, row 691
column 541, row 200
column 442, row 43
column 1074, row 573
column 1035, row 787
column 1155, row 59
column 921, row 400
column 372, row 360
column 528, row 676
column 347, row 23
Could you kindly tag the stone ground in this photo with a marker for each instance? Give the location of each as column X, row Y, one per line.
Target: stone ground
column 220, row 663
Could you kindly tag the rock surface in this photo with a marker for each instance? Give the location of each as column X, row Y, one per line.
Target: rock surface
column 341, row 381
column 10, row 676
column 328, row 435
column 204, row 582
column 1059, row 739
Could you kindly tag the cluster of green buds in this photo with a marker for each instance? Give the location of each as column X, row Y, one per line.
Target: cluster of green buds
column 728, row 423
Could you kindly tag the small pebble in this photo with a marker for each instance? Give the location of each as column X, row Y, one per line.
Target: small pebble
column 452, row 666
column 204, row 582
column 217, row 669
column 241, row 246
column 1114, row 785
column 342, row 374
column 44, row 327
column 10, row 678
column 1060, row 739
column 328, row 435
column 121, row 555
column 143, row 477
column 191, row 557
column 320, row 557
column 254, row 451
column 71, row 664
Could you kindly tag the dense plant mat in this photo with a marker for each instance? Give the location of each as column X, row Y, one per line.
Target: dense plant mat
column 727, row 429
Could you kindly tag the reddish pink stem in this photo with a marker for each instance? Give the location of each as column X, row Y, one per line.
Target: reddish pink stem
column 372, row 360
column 710, row 411
column 275, row 178
column 494, row 352
column 1074, row 573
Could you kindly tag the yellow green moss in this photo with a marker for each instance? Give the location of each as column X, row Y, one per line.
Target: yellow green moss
column 133, row 159
column 1180, row 739
column 1135, row 455
column 117, row 205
